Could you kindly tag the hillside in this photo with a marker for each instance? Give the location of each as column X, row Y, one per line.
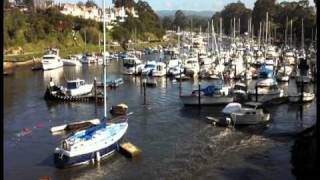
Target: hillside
column 163, row 13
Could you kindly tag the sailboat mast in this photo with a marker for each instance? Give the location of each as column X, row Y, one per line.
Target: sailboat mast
column 234, row 28
column 259, row 39
column 221, row 28
column 239, row 25
column 208, row 36
column 302, row 35
column 212, row 48
column 291, row 33
column 267, row 27
column 286, row 33
column 104, row 60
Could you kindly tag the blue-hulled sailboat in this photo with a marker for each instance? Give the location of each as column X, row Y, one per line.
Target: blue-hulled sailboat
column 93, row 143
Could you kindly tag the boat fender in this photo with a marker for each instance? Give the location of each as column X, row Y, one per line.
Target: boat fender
column 39, row 126
column 26, row 130
column 98, row 156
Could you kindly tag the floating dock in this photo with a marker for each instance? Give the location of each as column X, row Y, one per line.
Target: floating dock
column 88, row 98
column 129, row 150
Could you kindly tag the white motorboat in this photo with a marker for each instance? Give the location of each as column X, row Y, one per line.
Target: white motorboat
column 88, row 59
column 191, row 66
column 248, row 114
column 284, row 73
column 268, row 89
column 71, row 61
column 160, row 70
column 132, row 65
column 208, row 96
column 78, row 87
column 51, row 60
column 148, row 68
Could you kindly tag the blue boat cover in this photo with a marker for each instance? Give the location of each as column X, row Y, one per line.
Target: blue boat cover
column 264, row 71
column 209, row 90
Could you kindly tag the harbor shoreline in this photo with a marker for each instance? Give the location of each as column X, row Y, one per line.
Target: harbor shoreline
column 11, row 65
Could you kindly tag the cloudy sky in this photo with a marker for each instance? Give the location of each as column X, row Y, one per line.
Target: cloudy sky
column 198, row 5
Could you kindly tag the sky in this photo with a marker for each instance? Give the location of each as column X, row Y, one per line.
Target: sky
column 198, row 5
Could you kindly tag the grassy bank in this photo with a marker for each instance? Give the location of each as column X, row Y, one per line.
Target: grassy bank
column 36, row 52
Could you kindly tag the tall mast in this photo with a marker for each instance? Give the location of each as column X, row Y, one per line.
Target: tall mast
column 291, row 33
column 104, row 60
column 267, row 27
column 302, row 35
column 220, row 34
column 220, row 27
column 286, row 33
column 234, row 28
column 179, row 38
column 208, row 36
column 212, row 36
column 259, row 39
column 239, row 25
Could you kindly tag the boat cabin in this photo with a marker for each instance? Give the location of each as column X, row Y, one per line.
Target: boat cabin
column 75, row 84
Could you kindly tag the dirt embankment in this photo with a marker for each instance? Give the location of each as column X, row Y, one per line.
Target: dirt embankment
column 11, row 65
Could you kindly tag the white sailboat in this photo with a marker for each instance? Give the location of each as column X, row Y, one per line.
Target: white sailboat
column 93, row 143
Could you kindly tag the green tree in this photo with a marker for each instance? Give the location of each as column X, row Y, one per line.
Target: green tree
column 180, row 20
column 167, row 22
column 125, row 3
column 233, row 10
column 91, row 3
column 261, row 7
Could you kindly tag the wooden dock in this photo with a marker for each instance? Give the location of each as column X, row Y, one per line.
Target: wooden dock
column 84, row 98
column 129, row 150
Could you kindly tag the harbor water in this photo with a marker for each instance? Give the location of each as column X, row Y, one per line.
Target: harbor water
column 176, row 141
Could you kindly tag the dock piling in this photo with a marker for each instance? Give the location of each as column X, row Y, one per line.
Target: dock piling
column 256, row 92
column 180, row 83
column 144, row 91
column 95, row 88
column 199, row 97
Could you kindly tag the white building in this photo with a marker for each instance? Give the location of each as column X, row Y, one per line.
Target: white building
column 113, row 15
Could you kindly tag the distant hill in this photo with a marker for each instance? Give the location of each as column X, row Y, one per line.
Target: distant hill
column 163, row 13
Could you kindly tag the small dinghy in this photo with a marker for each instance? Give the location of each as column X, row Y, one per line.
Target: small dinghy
column 224, row 122
column 75, row 126
column 150, row 83
column 120, row 109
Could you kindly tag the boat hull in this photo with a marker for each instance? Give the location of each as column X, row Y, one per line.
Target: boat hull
column 206, row 100
column 63, row 161
column 51, row 65
column 67, row 62
column 85, row 89
column 265, row 97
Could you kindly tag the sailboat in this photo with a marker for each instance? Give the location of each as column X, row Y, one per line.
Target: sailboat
column 93, row 143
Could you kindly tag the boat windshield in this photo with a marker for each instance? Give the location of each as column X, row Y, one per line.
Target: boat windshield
column 48, row 57
column 149, row 66
column 72, row 85
column 239, row 87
